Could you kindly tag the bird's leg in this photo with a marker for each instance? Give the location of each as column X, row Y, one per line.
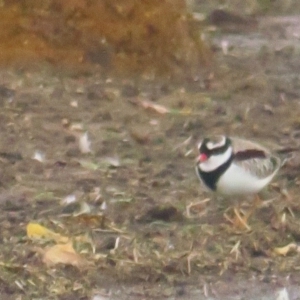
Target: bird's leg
column 256, row 203
column 240, row 219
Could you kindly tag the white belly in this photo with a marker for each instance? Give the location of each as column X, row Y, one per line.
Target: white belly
column 236, row 181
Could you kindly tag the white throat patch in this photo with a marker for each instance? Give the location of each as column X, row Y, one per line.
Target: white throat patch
column 215, row 161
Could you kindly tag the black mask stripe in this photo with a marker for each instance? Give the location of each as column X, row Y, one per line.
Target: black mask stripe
column 211, row 178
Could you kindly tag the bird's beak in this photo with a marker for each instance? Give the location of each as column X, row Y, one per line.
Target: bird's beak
column 202, row 157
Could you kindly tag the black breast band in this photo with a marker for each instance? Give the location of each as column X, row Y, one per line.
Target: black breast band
column 210, row 179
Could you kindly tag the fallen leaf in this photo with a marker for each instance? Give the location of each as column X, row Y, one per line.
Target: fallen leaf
column 84, row 143
column 113, row 161
column 286, row 249
column 37, row 231
column 76, row 127
column 165, row 110
column 39, row 156
column 69, row 199
column 74, row 103
column 100, row 297
column 63, row 254
column 283, row 295
column 155, row 107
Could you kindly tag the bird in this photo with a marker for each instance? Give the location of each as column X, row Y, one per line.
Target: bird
column 233, row 166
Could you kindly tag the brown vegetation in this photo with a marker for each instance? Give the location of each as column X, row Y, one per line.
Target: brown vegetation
column 149, row 37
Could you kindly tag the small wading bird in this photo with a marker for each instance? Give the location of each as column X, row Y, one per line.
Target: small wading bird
column 235, row 167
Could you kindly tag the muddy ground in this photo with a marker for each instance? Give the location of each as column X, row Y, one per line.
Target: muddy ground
column 127, row 200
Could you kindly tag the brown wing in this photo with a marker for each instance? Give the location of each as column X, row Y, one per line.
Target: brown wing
column 254, row 158
column 241, row 145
